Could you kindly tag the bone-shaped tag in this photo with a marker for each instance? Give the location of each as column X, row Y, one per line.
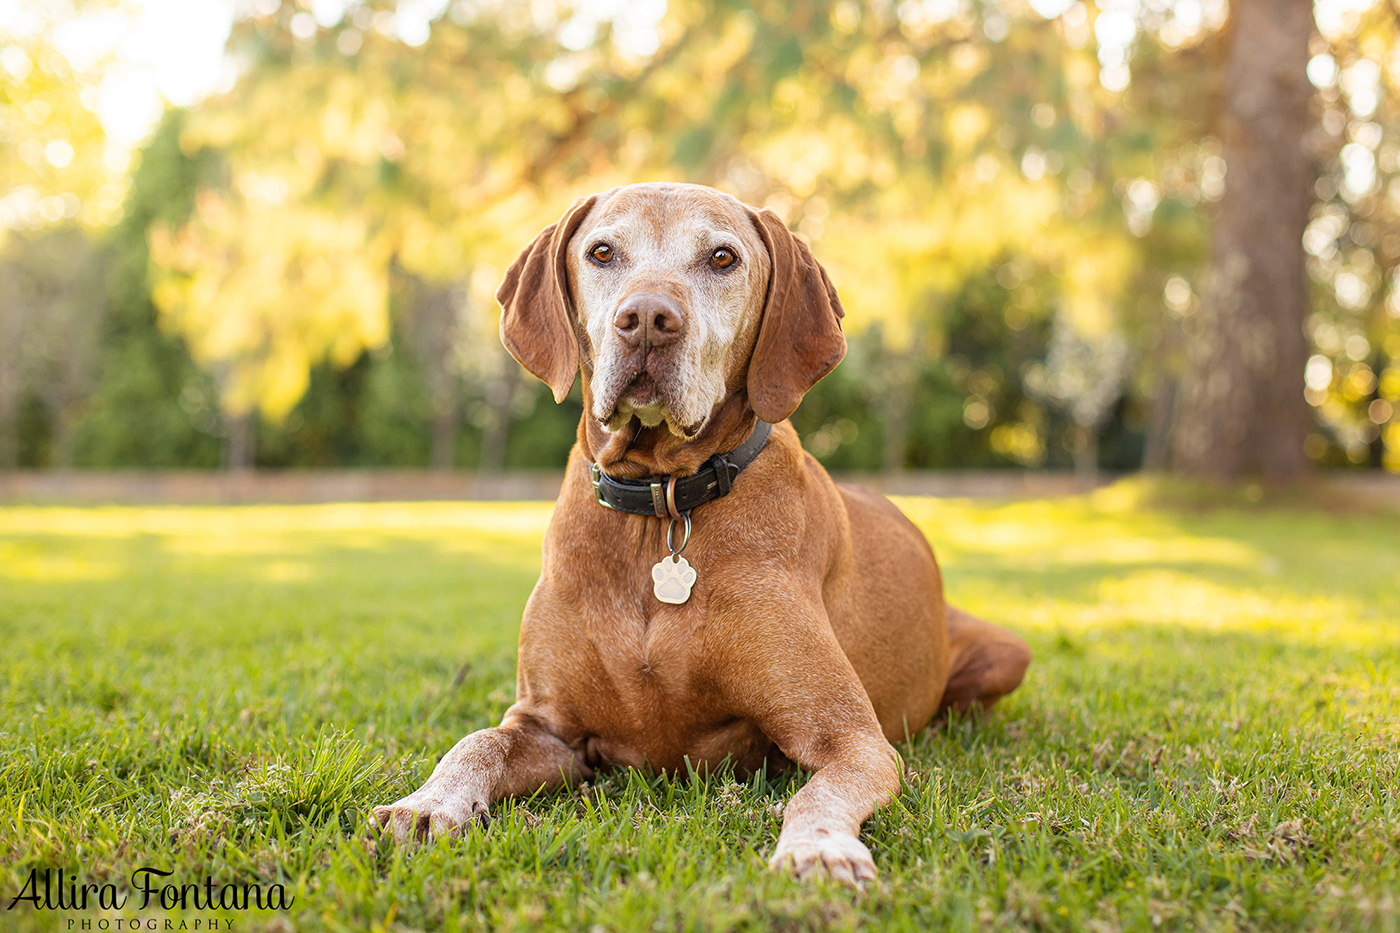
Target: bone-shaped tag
column 672, row 577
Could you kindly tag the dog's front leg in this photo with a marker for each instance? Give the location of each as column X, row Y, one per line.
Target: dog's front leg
column 517, row 757
column 821, row 824
column 807, row 698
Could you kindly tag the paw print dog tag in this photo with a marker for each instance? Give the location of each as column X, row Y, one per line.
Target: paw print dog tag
column 672, row 577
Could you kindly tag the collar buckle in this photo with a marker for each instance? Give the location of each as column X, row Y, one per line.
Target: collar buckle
column 595, row 472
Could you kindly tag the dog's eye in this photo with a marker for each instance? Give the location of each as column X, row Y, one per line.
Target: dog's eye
column 602, row 253
column 723, row 258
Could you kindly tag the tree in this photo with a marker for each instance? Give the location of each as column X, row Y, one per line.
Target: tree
column 346, row 153
column 52, row 307
column 52, row 174
column 976, row 176
column 432, row 319
column 1242, row 410
column 1353, row 240
column 263, row 288
column 151, row 406
column 1084, row 377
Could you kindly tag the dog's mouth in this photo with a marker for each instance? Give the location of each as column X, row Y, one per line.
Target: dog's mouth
column 643, row 391
column 643, row 394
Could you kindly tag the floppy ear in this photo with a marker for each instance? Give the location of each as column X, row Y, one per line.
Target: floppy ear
column 537, row 321
column 799, row 339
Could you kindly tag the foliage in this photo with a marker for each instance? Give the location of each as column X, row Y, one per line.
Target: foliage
column 151, row 405
column 55, row 165
column 1205, row 739
column 54, row 278
column 1354, row 378
column 969, row 172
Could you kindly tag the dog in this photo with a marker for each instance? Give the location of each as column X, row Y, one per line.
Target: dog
column 708, row 593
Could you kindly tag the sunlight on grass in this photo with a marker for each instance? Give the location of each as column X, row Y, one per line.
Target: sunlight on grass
column 1270, row 572
column 414, row 518
column 50, row 543
column 1067, row 533
column 1209, row 736
column 25, row 561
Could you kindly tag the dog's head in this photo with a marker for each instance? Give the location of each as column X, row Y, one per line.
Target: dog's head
column 672, row 299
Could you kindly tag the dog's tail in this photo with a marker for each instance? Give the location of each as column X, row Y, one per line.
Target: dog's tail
column 987, row 662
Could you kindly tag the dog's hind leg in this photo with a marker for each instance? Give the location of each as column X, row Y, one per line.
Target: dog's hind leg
column 986, row 662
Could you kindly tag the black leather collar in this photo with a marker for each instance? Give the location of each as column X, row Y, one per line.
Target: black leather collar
column 670, row 496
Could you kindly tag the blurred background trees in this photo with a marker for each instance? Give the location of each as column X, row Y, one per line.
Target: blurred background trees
column 1149, row 233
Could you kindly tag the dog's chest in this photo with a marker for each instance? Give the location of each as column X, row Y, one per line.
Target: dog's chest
column 626, row 677
column 651, row 656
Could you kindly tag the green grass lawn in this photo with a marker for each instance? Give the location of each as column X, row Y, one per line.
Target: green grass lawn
column 1209, row 736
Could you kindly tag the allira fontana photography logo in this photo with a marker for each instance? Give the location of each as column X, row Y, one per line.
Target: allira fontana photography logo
column 148, row 889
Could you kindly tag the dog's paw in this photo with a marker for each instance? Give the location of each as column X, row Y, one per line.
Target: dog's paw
column 840, row 857
column 672, row 577
column 422, row 816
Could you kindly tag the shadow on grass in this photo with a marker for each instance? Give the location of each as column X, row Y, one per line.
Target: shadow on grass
column 1152, row 772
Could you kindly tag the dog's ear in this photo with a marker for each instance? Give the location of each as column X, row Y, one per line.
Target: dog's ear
column 799, row 339
column 537, row 321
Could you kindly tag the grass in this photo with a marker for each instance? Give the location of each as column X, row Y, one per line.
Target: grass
column 1209, row 736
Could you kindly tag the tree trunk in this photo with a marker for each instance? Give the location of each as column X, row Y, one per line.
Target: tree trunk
column 64, row 441
column 501, row 396
column 433, row 322
column 9, row 441
column 238, row 442
column 1242, row 410
column 444, row 445
column 1086, row 456
column 1159, row 422
column 1376, row 460
column 9, row 424
column 10, row 379
column 897, row 408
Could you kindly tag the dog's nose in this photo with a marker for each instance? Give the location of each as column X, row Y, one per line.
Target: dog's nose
column 650, row 319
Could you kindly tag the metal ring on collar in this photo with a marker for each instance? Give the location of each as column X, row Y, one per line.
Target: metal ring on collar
column 671, row 528
column 671, row 498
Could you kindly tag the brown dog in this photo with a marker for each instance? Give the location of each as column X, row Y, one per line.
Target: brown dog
column 809, row 623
